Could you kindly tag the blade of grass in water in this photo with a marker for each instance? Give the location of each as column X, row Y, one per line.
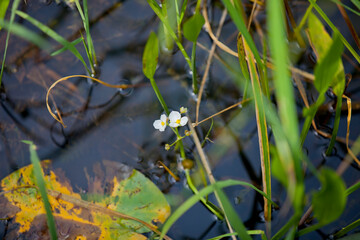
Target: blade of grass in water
column 39, row 177
column 26, row 34
column 51, row 33
column 203, row 192
column 262, row 130
column 3, row 8
column 240, row 24
column 336, row 125
column 63, row 49
column 231, row 214
column 332, row 26
column 89, row 45
column 348, row 8
column 12, row 17
column 283, row 85
column 156, row 8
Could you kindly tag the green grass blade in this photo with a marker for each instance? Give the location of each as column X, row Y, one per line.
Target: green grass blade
column 353, row 188
column 240, row 24
column 63, row 49
column 243, row 64
column 231, row 214
column 86, row 45
column 182, row 13
column 347, row 229
column 156, row 8
column 51, row 33
column 356, row 3
column 283, row 86
column 194, row 72
column 26, row 34
column 39, row 177
column 88, row 35
column 347, row 7
column 3, row 8
column 336, row 125
column 250, row 232
column 262, row 129
column 332, row 26
column 203, row 192
column 12, row 17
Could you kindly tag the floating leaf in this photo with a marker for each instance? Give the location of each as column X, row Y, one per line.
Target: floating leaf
column 330, row 201
column 124, row 194
column 192, row 27
column 150, row 57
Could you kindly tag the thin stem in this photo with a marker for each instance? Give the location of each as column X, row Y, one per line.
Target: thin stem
column 193, row 63
column 159, row 96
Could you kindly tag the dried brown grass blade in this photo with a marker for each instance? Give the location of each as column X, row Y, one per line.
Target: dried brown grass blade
column 211, row 54
column 58, row 116
column 169, row 171
column 348, row 101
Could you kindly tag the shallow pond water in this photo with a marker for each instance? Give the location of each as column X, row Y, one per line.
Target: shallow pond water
column 104, row 124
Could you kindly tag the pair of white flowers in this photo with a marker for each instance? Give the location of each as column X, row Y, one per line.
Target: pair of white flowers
column 174, row 119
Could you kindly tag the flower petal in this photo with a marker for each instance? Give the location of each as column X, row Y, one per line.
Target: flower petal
column 183, row 121
column 174, row 115
column 173, row 124
column 157, row 124
column 163, row 118
column 162, row 128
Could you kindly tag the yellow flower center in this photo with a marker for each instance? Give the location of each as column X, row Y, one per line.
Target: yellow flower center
column 162, row 123
column 178, row 121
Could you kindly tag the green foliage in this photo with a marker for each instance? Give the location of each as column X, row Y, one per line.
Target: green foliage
column 231, row 214
column 9, row 28
column 3, row 8
column 333, row 27
column 89, row 46
column 238, row 19
column 192, row 27
column 347, row 229
column 63, row 49
column 277, row 167
column 356, row 3
column 330, row 201
column 204, row 192
column 26, row 34
column 39, row 180
column 150, row 56
column 329, row 72
column 51, row 33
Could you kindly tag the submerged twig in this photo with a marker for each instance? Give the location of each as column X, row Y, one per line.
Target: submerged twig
column 207, row 168
column 211, row 54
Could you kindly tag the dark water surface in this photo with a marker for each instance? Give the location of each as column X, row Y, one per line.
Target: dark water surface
column 106, row 125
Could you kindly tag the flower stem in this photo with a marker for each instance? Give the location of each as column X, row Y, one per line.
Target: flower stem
column 166, row 109
column 159, row 96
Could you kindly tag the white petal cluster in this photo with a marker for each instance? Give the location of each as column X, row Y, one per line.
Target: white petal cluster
column 160, row 123
column 176, row 119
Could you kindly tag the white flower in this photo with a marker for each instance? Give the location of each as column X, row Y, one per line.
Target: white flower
column 176, row 119
column 160, row 123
